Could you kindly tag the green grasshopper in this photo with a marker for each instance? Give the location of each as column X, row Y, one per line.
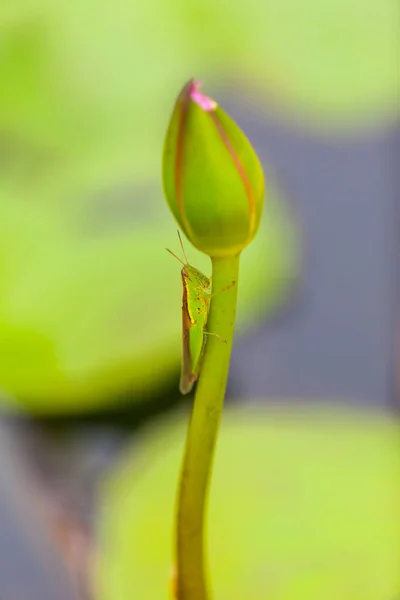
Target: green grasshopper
column 196, row 298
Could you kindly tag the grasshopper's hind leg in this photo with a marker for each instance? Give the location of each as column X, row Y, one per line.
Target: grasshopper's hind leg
column 221, row 339
column 224, row 289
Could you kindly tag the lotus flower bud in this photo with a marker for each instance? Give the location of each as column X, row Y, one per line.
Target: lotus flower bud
column 213, row 180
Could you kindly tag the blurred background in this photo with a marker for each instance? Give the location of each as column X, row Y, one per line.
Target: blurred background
column 90, row 301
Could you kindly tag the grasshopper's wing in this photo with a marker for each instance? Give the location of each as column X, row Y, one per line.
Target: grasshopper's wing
column 187, row 377
column 194, row 320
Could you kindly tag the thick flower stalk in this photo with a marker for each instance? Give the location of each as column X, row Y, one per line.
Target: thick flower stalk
column 214, row 185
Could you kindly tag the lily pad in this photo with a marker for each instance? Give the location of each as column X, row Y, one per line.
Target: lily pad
column 90, row 301
column 304, row 506
column 71, row 80
column 90, row 306
column 331, row 63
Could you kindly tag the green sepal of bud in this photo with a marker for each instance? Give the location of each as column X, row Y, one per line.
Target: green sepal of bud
column 213, row 179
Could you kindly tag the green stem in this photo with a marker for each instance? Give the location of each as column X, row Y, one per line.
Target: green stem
column 202, row 434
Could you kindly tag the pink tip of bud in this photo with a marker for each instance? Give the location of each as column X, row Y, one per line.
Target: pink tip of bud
column 203, row 101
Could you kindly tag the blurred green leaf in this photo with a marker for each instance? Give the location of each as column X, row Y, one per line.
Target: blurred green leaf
column 68, row 76
column 89, row 304
column 331, row 63
column 304, row 506
column 90, row 307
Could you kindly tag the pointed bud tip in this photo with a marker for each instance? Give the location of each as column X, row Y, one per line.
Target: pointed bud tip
column 205, row 102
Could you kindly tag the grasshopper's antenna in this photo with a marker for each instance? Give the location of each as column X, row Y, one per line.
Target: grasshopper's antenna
column 183, row 249
column 175, row 256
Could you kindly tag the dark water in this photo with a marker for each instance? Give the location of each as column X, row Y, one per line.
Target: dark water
column 30, row 568
column 338, row 339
